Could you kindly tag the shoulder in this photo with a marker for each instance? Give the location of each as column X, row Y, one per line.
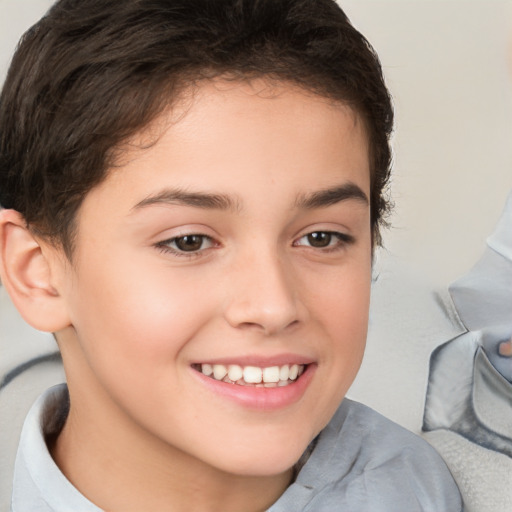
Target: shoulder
column 382, row 440
column 366, row 462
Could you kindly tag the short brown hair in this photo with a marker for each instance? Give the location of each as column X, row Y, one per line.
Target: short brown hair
column 92, row 73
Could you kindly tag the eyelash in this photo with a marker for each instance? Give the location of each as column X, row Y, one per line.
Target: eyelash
column 342, row 240
column 164, row 246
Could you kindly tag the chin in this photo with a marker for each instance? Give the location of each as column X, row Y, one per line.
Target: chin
column 271, row 460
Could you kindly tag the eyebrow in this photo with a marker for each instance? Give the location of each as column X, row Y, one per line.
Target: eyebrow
column 211, row 201
column 202, row 200
column 330, row 196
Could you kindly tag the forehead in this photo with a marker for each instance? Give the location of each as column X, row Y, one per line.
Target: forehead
column 224, row 135
column 244, row 109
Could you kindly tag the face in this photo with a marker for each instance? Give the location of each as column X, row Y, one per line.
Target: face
column 219, row 293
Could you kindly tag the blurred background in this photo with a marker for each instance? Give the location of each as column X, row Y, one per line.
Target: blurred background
column 448, row 65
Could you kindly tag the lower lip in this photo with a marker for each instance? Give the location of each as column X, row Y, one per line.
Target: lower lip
column 263, row 399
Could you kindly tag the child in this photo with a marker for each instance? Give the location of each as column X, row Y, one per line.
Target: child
column 192, row 191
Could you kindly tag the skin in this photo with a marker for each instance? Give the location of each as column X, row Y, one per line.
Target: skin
column 499, row 352
column 137, row 313
column 505, row 348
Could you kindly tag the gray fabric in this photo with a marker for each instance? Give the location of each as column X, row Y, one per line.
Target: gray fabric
column 468, row 409
column 468, row 419
column 483, row 475
column 476, row 403
column 361, row 462
column 470, row 382
column 483, row 297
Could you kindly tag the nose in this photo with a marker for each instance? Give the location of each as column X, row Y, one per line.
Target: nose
column 263, row 295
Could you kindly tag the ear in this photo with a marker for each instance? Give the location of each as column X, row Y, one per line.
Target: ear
column 27, row 272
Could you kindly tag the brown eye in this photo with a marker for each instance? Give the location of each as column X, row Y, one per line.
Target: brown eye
column 319, row 239
column 329, row 241
column 189, row 243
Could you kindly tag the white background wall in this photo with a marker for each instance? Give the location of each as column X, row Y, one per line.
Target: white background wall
column 448, row 65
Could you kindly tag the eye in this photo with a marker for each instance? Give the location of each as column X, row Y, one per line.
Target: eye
column 324, row 240
column 181, row 245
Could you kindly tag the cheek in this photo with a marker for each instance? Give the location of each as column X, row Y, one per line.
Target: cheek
column 341, row 299
column 340, row 308
column 351, row 318
column 127, row 314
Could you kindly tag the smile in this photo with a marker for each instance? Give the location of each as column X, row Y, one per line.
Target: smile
column 254, row 376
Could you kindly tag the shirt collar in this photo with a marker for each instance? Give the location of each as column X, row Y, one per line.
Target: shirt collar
column 38, row 483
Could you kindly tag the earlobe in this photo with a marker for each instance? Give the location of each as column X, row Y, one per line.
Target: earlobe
column 26, row 274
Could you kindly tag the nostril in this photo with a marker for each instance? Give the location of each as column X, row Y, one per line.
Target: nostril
column 267, row 326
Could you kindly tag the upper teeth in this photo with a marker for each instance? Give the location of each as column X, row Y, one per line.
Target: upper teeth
column 278, row 375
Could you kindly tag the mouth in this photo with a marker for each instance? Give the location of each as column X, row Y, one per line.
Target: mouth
column 252, row 376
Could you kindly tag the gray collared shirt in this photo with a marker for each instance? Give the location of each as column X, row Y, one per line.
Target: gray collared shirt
column 360, row 462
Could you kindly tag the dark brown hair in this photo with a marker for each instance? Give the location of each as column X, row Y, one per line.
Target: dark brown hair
column 92, row 73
